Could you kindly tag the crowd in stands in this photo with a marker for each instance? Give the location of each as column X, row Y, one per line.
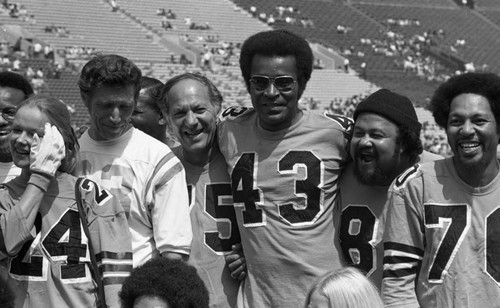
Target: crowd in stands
column 168, row 14
column 16, row 10
column 58, row 30
column 287, row 14
column 77, row 52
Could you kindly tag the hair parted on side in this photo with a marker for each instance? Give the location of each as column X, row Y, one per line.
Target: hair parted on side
column 174, row 281
column 16, row 81
column 484, row 84
column 215, row 96
column 58, row 115
column 108, row 70
column 278, row 43
column 346, row 287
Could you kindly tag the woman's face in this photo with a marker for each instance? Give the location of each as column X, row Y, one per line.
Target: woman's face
column 27, row 122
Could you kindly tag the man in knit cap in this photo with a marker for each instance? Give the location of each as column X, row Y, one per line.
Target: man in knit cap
column 385, row 142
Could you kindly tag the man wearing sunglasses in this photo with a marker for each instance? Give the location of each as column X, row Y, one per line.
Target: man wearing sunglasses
column 284, row 164
column 14, row 89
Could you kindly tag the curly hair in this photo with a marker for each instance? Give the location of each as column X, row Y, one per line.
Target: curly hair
column 108, row 70
column 410, row 142
column 174, row 281
column 215, row 96
column 16, row 81
column 278, row 43
column 484, row 84
column 152, row 87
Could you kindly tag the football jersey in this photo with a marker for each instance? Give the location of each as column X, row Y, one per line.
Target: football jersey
column 50, row 263
column 150, row 182
column 8, row 171
column 215, row 228
column 284, row 187
column 362, row 221
column 441, row 240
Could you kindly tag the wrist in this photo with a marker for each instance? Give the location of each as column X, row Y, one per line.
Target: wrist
column 40, row 180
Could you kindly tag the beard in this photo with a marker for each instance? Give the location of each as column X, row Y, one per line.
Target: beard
column 375, row 175
column 471, row 167
column 372, row 177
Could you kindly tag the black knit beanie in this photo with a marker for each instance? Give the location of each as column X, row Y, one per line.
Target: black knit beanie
column 392, row 106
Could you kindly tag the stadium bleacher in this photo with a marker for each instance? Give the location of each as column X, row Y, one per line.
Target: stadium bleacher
column 343, row 27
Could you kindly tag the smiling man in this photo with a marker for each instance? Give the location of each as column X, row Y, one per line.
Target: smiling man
column 442, row 236
column 284, row 164
column 14, row 89
column 192, row 104
column 384, row 143
column 142, row 171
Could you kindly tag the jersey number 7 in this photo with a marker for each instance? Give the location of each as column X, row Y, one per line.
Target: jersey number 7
column 455, row 219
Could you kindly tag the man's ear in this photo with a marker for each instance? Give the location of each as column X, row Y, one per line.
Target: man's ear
column 162, row 118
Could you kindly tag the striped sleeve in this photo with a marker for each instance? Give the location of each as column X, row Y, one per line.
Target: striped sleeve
column 168, row 204
column 403, row 250
column 110, row 238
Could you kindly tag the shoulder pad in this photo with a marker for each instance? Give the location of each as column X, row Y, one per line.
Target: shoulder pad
column 232, row 112
column 404, row 177
column 346, row 123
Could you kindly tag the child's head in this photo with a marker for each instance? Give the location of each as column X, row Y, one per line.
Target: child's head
column 344, row 288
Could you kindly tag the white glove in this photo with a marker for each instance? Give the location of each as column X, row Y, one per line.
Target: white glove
column 46, row 153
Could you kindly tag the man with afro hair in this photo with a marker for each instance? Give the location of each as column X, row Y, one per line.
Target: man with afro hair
column 165, row 283
column 442, row 234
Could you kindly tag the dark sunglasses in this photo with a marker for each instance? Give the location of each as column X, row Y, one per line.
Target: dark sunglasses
column 282, row 83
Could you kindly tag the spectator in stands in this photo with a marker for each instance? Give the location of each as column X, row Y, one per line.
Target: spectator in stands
column 318, row 64
column 253, row 11
column 161, row 12
column 183, row 60
column 346, row 65
column 14, row 89
column 263, row 17
column 346, row 287
column 170, row 14
column 207, row 60
column 162, row 283
column 141, row 170
column 114, row 6
column 271, row 20
column 165, row 24
column 306, row 22
column 363, row 69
